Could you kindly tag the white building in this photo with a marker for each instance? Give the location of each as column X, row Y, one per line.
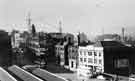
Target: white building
column 91, row 56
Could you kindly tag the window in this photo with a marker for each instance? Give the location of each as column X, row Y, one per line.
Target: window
column 62, row 48
column 72, row 64
column 95, row 54
column 95, row 61
column 90, row 53
column 85, row 60
column 76, row 51
column 81, row 59
column 90, row 66
column 84, row 53
column 90, row 60
column 85, row 65
column 99, row 54
column 72, row 50
column 100, row 61
column 80, row 52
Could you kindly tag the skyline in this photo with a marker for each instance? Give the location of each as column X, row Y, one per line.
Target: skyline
column 92, row 17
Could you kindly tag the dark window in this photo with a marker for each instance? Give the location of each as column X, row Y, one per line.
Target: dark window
column 99, row 54
column 95, row 54
column 81, row 59
column 72, row 50
column 100, row 61
column 95, row 61
column 72, row 64
column 90, row 60
column 85, row 60
column 85, row 65
column 76, row 51
column 90, row 53
column 89, row 66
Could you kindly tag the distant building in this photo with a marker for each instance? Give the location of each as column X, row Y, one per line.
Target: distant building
column 73, row 57
column 62, row 42
column 61, row 53
column 82, row 37
column 62, row 37
column 5, row 49
column 108, row 37
column 16, row 39
column 61, row 49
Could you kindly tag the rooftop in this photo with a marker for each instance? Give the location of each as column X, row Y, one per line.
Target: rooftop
column 109, row 44
column 112, row 43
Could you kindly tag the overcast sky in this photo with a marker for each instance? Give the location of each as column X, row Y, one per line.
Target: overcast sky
column 89, row 16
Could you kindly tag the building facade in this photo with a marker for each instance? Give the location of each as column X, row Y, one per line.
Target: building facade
column 73, row 57
column 92, row 57
column 118, row 58
column 16, row 39
column 61, row 48
column 60, row 52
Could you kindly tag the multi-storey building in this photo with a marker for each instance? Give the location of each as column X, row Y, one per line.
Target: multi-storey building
column 5, row 49
column 109, row 57
column 73, row 57
column 60, row 50
column 16, row 39
column 91, row 56
column 118, row 58
column 35, row 46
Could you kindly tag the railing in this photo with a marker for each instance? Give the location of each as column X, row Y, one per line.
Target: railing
column 22, row 74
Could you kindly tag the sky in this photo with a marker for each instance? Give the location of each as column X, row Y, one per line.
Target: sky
column 92, row 17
